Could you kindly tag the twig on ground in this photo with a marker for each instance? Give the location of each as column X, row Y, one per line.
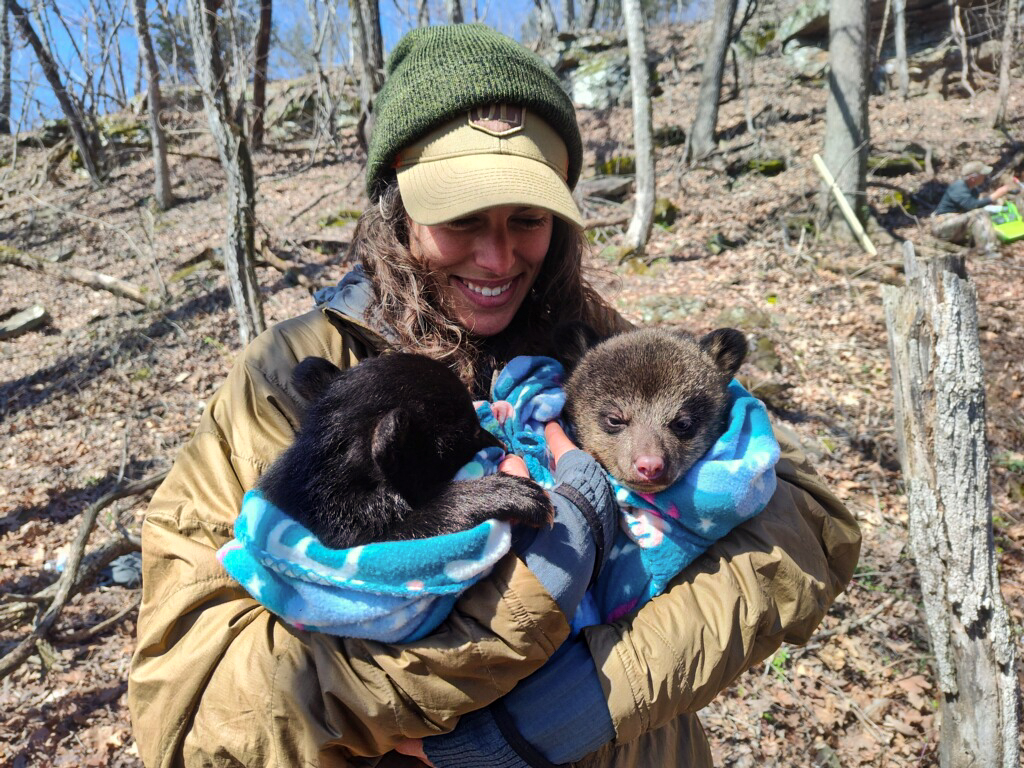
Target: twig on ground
column 69, row 578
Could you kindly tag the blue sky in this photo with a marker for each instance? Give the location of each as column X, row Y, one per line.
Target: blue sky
column 33, row 99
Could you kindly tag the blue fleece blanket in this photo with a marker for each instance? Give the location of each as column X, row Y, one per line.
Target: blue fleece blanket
column 392, row 591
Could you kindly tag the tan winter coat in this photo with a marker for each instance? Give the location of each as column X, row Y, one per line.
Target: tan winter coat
column 216, row 680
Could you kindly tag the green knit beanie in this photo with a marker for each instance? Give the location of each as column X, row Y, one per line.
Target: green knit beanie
column 436, row 73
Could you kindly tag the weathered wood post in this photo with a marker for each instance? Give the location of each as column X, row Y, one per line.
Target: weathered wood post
column 940, row 425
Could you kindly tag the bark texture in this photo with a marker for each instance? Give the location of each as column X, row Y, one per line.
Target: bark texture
column 5, row 70
column 161, row 172
column 85, row 139
column 259, row 75
column 453, row 10
column 899, row 19
column 643, row 135
column 702, row 135
column 239, row 254
column 588, row 14
column 940, row 426
column 1005, row 60
column 368, row 56
column 846, row 115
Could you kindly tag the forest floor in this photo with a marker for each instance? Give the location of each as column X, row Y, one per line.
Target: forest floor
column 107, row 391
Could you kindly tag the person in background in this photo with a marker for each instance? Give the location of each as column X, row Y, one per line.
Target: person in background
column 470, row 252
column 961, row 216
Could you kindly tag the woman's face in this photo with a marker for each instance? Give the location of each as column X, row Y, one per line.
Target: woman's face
column 487, row 262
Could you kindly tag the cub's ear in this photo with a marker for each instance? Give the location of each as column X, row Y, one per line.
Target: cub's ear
column 313, row 376
column 727, row 347
column 571, row 340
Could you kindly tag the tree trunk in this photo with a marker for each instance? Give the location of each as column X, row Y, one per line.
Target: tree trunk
column 85, row 139
column 547, row 24
column 960, row 36
column 899, row 31
column 643, row 136
column 588, row 14
column 239, row 254
column 423, row 13
column 702, row 135
column 368, row 57
column 846, row 114
column 161, row 172
column 940, row 421
column 570, row 14
column 5, row 70
column 259, row 76
column 1005, row 60
column 453, row 9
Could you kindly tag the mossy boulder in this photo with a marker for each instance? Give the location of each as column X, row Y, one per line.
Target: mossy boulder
column 616, row 166
column 341, row 218
column 665, row 212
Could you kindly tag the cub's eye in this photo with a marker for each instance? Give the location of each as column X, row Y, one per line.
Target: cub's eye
column 613, row 422
column 683, row 426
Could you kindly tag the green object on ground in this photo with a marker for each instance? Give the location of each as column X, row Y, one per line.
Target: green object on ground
column 1008, row 223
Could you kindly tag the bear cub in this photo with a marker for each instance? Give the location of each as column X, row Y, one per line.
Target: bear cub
column 648, row 403
column 376, row 451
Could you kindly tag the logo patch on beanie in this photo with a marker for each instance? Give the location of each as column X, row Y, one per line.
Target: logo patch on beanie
column 498, row 119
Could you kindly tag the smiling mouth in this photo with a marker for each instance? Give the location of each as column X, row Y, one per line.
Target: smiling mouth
column 486, row 290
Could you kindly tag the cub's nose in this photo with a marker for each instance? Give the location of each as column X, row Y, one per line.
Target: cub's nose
column 649, row 467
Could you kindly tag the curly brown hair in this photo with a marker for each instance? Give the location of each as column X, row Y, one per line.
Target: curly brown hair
column 409, row 304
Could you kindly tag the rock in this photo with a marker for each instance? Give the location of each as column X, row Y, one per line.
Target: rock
column 24, row 321
column 669, row 136
column 615, row 188
column 743, row 318
column 616, row 166
column 601, row 80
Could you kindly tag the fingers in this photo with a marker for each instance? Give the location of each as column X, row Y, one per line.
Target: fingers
column 558, row 443
column 513, row 465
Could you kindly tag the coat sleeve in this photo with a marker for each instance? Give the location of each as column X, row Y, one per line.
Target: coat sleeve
column 217, row 680
column 769, row 581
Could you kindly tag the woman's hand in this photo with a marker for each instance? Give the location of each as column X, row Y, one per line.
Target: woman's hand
column 558, row 443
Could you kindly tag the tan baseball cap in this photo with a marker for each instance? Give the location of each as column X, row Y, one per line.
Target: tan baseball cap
column 975, row 167
column 494, row 155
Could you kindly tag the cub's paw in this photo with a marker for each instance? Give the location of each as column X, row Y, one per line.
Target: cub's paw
column 521, row 500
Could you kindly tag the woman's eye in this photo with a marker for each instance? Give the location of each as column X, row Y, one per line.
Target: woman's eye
column 532, row 221
column 461, row 225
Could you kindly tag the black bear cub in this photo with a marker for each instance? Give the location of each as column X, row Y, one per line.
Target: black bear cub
column 376, row 451
column 647, row 404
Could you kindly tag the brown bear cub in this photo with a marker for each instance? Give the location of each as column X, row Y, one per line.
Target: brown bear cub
column 376, row 451
column 647, row 404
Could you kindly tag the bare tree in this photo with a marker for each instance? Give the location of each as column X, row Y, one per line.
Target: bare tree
column 899, row 19
column 228, row 136
column 161, row 173
column 453, row 10
column 570, row 14
column 326, row 124
column 588, row 14
column 259, row 77
column 643, row 135
column 547, row 24
column 5, row 70
column 846, row 114
column 368, row 57
column 422, row 13
column 85, row 138
column 940, row 426
column 1005, row 60
column 956, row 25
column 701, row 140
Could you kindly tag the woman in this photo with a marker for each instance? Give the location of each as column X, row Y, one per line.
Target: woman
column 471, row 252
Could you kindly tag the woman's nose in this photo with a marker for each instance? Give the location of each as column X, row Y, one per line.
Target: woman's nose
column 495, row 251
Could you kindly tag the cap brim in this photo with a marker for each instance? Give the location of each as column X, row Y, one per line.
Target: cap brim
column 442, row 190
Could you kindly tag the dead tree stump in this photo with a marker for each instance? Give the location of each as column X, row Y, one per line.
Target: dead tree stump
column 940, row 425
